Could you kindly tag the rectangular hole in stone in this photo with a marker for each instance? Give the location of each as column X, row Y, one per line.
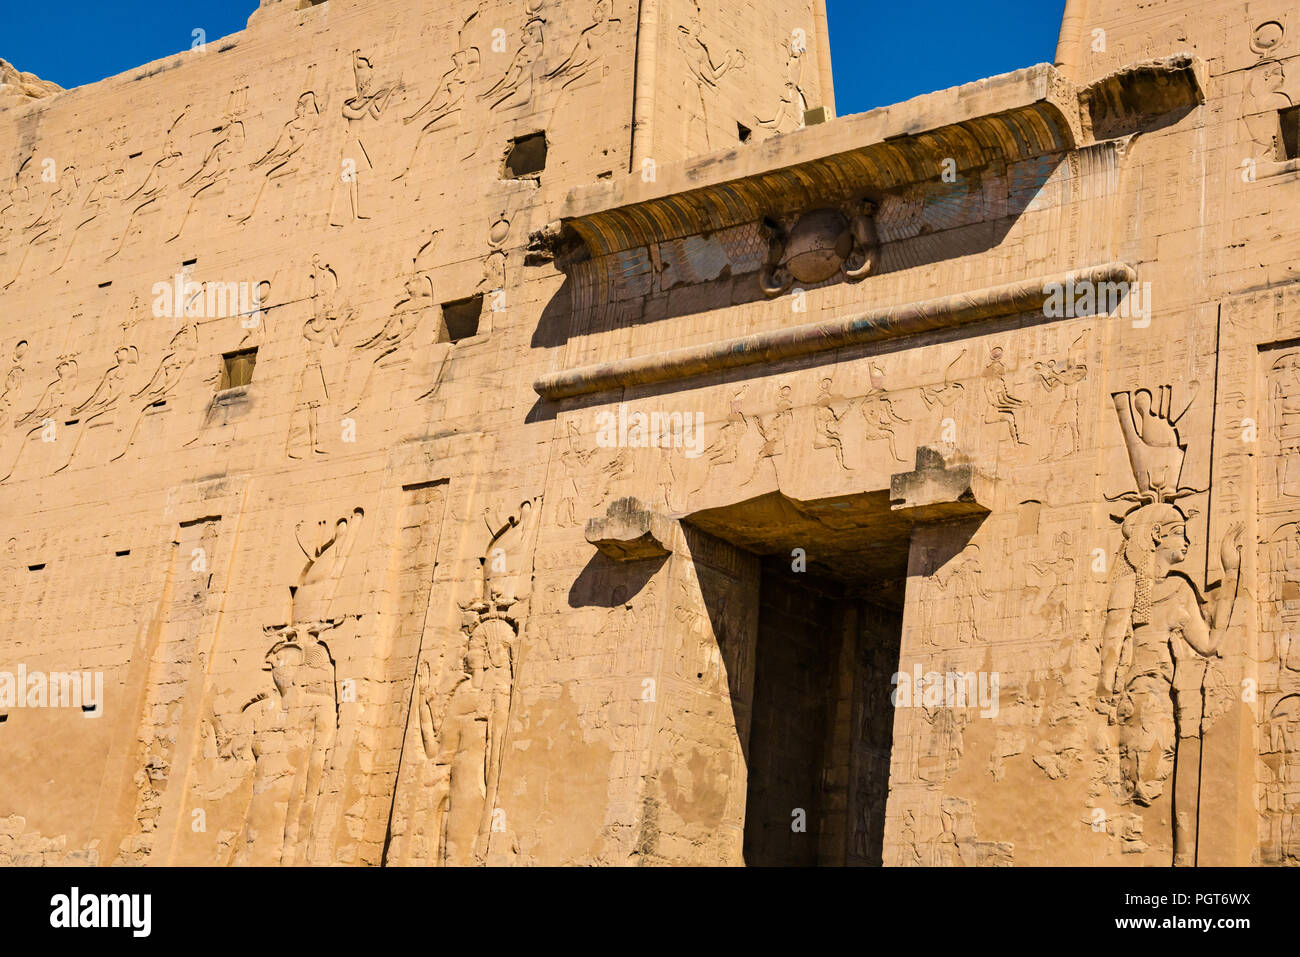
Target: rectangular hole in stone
column 460, row 318
column 1290, row 141
column 527, row 156
column 744, row 132
column 237, row 368
column 105, row 285
column 36, row 568
column 122, row 553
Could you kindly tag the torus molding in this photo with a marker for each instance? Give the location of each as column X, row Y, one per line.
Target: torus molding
column 811, row 338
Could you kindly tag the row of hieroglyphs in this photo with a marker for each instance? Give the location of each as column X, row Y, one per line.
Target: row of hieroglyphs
column 48, row 207
column 997, row 399
column 752, row 444
column 341, row 354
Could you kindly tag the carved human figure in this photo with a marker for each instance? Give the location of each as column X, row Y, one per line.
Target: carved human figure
column 149, row 191
column 281, row 159
column 462, row 731
column 494, row 264
column 908, row 848
column 573, row 459
column 827, row 422
column 104, row 399
column 1055, row 576
column 1265, row 94
column 1284, row 400
column 773, row 429
column 1284, row 564
column 1003, row 405
column 790, row 112
column 518, row 80
column 590, row 48
column 878, row 413
column 401, row 324
column 1155, row 628
column 447, row 104
column 105, row 191
column 368, row 104
column 12, row 382
column 704, row 73
column 44, row 224
column 1065, row 420
column 313, row 391
column 228, row 141
column 45, row 413
column 166, row 378
column 961, row 581
column 725, row 449
column 289, row 735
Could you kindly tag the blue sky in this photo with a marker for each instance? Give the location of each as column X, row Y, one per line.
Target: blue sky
column 883, row 52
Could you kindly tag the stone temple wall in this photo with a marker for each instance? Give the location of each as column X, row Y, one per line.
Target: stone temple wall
column 525, row 433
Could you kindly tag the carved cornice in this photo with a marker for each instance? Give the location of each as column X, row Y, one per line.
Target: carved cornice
column 1030, row 112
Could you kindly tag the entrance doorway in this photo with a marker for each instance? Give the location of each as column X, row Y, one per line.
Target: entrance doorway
column 830, row 614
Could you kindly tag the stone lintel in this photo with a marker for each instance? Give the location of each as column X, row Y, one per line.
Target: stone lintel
column 629, row 532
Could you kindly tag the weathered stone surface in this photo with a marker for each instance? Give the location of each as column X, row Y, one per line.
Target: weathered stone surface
column 943, row 485
column 17, row 87
column 630, row 532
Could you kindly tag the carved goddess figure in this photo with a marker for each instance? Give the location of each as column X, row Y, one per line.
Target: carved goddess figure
column 1155, row 627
